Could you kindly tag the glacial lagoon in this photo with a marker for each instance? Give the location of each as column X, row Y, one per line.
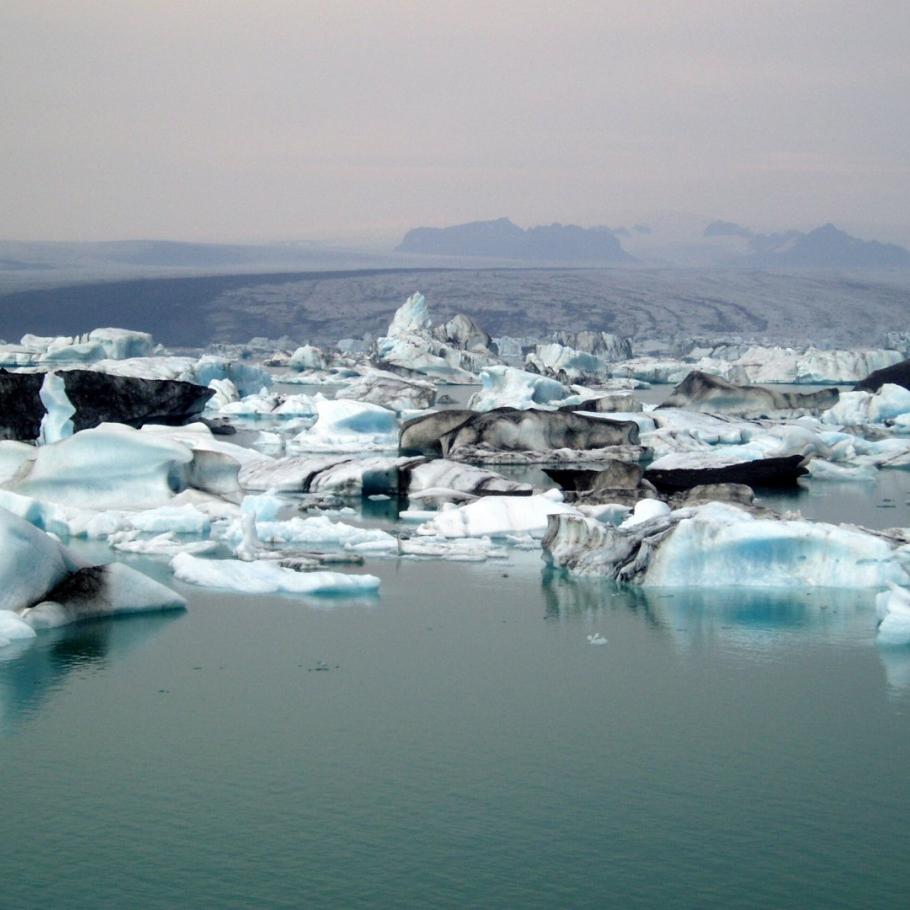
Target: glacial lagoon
column 456, row 741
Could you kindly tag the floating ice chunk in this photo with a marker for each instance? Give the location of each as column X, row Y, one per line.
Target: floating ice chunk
column 890, row 402
column 225, row 394
column 186, row 519
column 391, row 391
column 167, row 544
column 597, row 639
column 820, row 469
column 412, row 316
column 121, row 344
column 645, row 510
column 893, row 610
column 553, row 359
column 440, row 474
column 308, row 357
column 265, row 577
column 64, row 521
column 353, row 477
column 506, row 387
column 348, row 426
column 291, row 474
column 98, row 591
column 497, row 516
column 249, row 546
column 724, row 546
column 31, row 562
column 13, row 628
column 266, row 506
column 108, row 467
column 261, row 404
column 317, row 530
column 56, row 423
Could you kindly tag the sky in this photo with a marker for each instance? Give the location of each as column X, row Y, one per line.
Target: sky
column 228, row 120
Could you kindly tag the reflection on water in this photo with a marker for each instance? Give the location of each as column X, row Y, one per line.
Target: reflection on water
column 32, row 672
column 751, row 618
column 877, row 504
column 896, row 664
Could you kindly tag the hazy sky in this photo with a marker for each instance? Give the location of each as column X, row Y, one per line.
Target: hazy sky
column 236, row 120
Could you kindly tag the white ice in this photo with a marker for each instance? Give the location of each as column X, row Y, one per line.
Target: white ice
column 496, row 516
column 265, row 577
column 893, row 609
column 720, row 545
column 348, row 426
column 506, row 387
column 56, row 423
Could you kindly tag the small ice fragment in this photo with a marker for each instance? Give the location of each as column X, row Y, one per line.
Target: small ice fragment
column 597, row 639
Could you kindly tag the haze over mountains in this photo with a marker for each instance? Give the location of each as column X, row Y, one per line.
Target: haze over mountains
column 824, row 247
column 689, row 242
column 505, row 240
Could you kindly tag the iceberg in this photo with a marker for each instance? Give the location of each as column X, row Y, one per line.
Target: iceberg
column 441, row 474
column 390, row 391
column 348, row 426
column 101, row 591
column 498, row 516
column 887, row 403
column 31, row 562
column 721, row 545
column 507, row 387
column 56, row 423
column 704, row 392
column 317, row 530
column 265, row 577
column 893, row 609
column 451, row 353
column 566, row 364
column 110, row 467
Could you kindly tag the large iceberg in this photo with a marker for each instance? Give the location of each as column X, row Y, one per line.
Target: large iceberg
column 44, row 584
column 890, row 402
column 704, row 392
column 117, row 467
column 452, row 354
column 99, row 344
column 721, row 545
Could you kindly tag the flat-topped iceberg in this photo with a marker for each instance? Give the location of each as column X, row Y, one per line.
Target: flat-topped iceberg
column 99, row 344
column 721, row 545
column 267, row 577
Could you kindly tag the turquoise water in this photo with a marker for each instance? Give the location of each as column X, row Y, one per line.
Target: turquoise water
column 456, row 742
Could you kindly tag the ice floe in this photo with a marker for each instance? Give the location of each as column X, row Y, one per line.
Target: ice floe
column 267, row 577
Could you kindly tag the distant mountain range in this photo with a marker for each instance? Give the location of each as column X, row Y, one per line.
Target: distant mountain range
column 825, row 247
column 503, row 239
